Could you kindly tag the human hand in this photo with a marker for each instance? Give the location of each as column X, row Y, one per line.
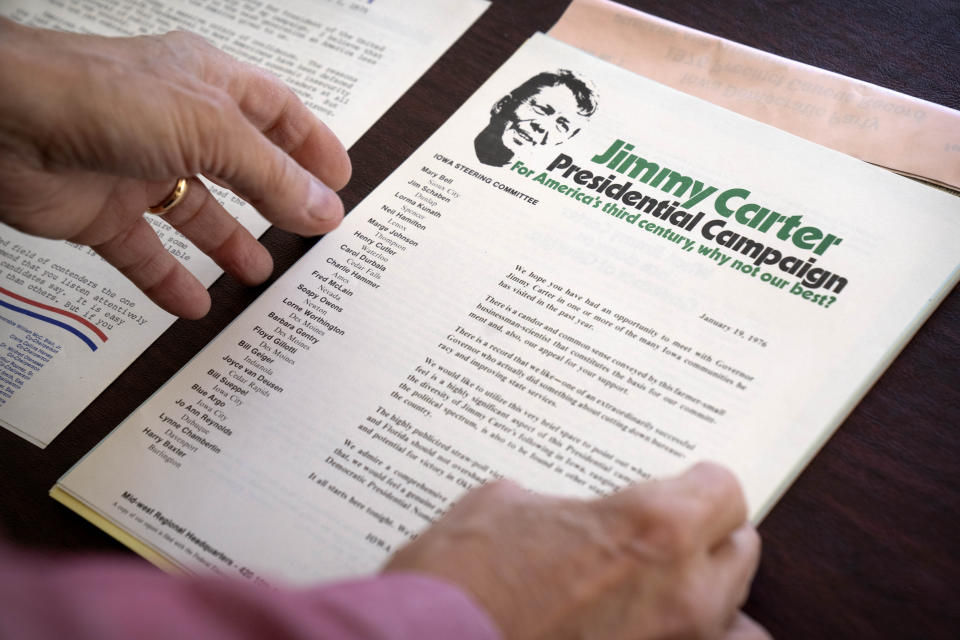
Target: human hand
column 664, row 559
column 94, row 130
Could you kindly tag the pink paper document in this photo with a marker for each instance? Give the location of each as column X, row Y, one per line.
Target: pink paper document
column 905, row 134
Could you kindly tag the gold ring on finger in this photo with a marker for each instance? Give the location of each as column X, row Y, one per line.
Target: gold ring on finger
column 173, row 199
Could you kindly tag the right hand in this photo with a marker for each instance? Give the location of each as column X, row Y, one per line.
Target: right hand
column 664, row 559
column 94, row 130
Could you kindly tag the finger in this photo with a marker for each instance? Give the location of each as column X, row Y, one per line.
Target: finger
column 703, row 505
column 273, row 108
column 501, row 491
column 270, row 105
column 734, row 563
column 234, row 151
column 745, row 628
column 138, row 253
column 204, row 221
column 717, row 503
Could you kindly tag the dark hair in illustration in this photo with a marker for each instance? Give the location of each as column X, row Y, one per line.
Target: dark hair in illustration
column 586, row 102
column 489, row 144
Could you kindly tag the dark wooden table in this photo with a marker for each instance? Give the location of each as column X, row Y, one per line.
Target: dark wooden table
column 867, row 542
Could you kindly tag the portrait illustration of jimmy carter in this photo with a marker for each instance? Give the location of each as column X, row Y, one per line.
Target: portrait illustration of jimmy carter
column 548, row 109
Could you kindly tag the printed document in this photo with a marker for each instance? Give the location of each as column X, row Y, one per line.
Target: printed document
column 583, row 279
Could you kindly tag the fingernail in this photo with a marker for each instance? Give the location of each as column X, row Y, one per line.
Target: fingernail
column 324, row 203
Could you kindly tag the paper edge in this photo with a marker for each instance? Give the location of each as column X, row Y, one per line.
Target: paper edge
column 106, row 525
column 825, row 435
column 26, row 435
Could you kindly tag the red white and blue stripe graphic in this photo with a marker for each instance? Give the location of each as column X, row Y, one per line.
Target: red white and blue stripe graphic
column 82, row 328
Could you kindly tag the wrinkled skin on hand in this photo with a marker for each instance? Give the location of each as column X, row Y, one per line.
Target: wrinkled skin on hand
column 94, row 130
column 664, row 559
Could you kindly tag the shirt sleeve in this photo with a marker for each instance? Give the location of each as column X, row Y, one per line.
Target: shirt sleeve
column 60, row 597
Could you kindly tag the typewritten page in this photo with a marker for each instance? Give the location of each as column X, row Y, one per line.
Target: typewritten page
column 557, row 314
column 70, row 322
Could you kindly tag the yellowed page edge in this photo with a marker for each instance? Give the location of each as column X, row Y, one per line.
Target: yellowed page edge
column 131, row 542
